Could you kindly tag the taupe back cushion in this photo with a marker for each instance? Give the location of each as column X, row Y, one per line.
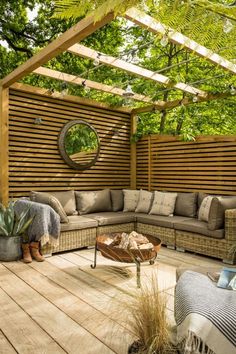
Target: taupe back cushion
column 117, row 199
column 186, row 204
column 93, row 201
column 67, row 200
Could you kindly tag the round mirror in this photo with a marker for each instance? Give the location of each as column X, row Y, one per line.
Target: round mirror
column 79, row 144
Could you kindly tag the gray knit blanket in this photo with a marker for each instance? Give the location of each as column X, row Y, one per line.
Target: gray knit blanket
column 205, row 316
column 46, row 223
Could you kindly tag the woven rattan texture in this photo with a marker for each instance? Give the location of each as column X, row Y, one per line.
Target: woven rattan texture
column 69, row 240
column 204, row 245
column 230, row 225
column 166, row 235
column 128, row 227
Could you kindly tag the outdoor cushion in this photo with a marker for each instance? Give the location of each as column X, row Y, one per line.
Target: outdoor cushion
column 47, row 198
column 93, row 201
column 186, row 204
column 227, row 202
column 163, row 203
column 159, row 220
column 144, row 202
column 117, row 199
column 211, row 211
column 67, row 200
column 200, row 198
column 112, row 218
column 77, row 222
column 131, row 198
column 198, row 227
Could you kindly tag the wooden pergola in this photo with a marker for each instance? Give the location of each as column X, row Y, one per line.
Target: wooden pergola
column 69, row 40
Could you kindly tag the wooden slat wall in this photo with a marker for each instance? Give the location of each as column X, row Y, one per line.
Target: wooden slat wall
column 34, row 159
column 207, row 165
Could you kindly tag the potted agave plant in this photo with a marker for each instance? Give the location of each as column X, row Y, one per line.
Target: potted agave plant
column 13, row 228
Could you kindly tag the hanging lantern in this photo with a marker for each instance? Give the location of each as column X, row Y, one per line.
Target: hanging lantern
column 164, row 41
column 128, row 92
column 228, row 26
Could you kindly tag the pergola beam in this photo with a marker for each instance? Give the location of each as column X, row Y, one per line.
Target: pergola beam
column 75, row 34
column 86, row 52
column 175, row 103
column 72, row 79
column 151, row 24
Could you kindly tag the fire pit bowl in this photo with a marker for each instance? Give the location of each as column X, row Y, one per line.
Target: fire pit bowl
column 127, row 255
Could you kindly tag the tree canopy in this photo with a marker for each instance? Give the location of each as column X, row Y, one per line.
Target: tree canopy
column 210, row 23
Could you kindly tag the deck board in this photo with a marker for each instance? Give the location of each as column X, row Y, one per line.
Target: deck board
column 65, row 331
column 63, row 306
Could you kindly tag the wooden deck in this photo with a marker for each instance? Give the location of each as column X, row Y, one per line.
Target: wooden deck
column 64, row 306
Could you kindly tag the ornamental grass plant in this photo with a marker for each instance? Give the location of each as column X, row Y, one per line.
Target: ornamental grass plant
column 148, row 320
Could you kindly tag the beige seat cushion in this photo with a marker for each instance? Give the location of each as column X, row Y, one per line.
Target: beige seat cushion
column 47, row 198
column 67, row 200
column 77, row 222
column 159, row 220
column 198, row 227
column 112, row 218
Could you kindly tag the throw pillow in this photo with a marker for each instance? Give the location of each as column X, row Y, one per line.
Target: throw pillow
column 47, row 198
column 144, row 202
column 186, row 204
column 117, row 199
column 212, row 212
column 163, row 203
column 93, row 201
column 67, row 200
column 131, row 198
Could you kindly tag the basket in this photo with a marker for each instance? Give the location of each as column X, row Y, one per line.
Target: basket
column 124, row 255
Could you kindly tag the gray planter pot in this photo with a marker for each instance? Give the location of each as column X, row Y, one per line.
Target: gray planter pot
column 10, row 248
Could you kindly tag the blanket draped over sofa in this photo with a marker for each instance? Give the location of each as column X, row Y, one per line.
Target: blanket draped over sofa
column 205, row 316
column 46, row 223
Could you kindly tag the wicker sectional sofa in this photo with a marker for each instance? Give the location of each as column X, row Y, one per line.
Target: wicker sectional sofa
column 179, row 232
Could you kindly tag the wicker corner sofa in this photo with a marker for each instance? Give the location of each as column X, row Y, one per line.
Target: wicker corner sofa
column 81, row 231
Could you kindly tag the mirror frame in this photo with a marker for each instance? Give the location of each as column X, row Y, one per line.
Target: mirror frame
column 61, row 145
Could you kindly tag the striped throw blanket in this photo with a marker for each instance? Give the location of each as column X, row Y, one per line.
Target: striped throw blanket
column 46, row 223
column 205, row 316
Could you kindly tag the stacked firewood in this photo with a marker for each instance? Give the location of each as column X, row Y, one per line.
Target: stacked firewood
column 132, row 241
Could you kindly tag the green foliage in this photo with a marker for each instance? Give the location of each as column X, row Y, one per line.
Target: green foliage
column 11, row 223
column 78, row 8
column 201, row 20
column 80, row 138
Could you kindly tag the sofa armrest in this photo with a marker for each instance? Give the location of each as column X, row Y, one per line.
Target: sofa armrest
column 230, row 225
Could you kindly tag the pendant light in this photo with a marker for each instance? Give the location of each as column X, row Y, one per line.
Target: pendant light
column 128, row 92
column 96, row 61
column 228, row 26
column 164, row 41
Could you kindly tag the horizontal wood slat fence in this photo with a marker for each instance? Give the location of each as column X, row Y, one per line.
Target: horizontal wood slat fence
column 207, row 164
column 34, row 160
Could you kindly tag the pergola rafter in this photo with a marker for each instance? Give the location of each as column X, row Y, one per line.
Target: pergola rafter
column 152, row 25
column 72, row 79
column 86, row 52
column 69, row 41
